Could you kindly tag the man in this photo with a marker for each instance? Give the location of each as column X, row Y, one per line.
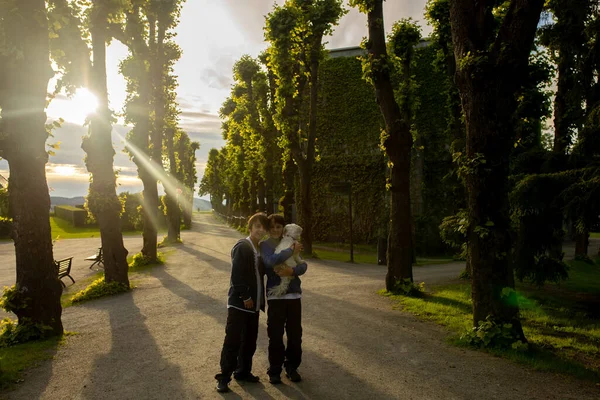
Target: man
column 245, row 300
column 285, row 311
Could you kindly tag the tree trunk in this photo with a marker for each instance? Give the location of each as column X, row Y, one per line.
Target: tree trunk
column 102, row 199
column 288, row 184
column 269, row 179
column 305, row 208
column 582, row 242
column 23, row 104
column 171, row 200
column 487, row 87
column 261, row 194
column 398, row 146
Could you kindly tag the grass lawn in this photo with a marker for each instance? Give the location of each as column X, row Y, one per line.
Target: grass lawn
column 561, row 322
column 363, row 254
column 64, row 230
column 595, row 235
column 15, row 359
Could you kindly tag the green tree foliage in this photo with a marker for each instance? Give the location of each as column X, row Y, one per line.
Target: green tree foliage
column 295, row 33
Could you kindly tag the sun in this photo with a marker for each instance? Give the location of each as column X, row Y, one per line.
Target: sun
column 64, row 170
column 75, row 109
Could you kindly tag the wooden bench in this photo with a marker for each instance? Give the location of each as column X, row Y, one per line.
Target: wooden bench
column 97, row 258
column 64, row 269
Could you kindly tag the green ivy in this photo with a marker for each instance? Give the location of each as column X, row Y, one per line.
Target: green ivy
column 99, row 288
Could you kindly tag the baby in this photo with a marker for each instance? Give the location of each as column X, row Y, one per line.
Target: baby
column 291, row 235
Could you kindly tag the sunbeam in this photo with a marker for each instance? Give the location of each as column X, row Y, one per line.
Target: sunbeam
column 170, row 183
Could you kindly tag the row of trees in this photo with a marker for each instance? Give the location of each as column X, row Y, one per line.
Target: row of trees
column 516, row 188
column 73, row 36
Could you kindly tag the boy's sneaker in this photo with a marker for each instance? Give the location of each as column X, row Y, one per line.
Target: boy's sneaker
column 293, row 375
column 247, row 378
column 222, row 383
column 274, row 379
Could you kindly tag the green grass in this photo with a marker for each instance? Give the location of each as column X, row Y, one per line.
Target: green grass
column 595, row 235
column 363, row 254
column 560, row 322
column 15, row 359
column 62, row 229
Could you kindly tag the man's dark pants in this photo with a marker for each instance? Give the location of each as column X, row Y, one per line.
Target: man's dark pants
column 284, row 315
column 241, row 332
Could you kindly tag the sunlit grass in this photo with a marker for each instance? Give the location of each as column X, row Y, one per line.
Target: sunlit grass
column 16, row 359
column 62, row 229
column 363, row 254
column 564, row 336
column 595, row 235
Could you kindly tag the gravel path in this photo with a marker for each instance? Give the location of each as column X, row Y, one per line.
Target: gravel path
column 163, row 340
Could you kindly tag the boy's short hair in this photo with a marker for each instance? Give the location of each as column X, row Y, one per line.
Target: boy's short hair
column 261, row 218
column 276, row 219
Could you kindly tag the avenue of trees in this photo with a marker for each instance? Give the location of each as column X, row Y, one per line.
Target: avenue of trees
column 68, row 38
column 521, row 101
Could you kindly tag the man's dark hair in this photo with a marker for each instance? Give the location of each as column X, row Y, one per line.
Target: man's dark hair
column 276, row 219
column 261, row 218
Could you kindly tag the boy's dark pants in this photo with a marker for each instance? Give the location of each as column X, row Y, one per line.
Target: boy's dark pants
column 241, row 332
column 284, row 314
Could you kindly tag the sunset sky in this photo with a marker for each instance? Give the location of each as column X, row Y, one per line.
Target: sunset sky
column 213, row 35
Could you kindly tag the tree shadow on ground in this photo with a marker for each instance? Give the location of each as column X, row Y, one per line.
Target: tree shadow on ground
column 134, row 360
column 322, row 372
column 208, row 258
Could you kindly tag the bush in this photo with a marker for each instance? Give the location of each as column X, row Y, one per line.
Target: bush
column 99, row 288
column 490, row 333
column 139, row 260
column 12, row 333
column 5, row 228
column 11, row 300
column 407, row 287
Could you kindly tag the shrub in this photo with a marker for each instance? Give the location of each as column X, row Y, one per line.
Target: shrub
column 407, row 287
column 490, row 333
column 11, row 300
column 5, row 228
column 139, row 260
column 12, row 333
column 99, row 288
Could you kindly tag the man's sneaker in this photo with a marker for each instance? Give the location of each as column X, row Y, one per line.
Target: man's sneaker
column 247, row 378
column 293, row 375
column 274, row 379
column 222, row 383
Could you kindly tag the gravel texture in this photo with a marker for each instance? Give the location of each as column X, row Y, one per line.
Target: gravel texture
column 163, row 340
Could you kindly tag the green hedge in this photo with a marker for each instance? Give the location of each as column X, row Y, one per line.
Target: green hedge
column 76, row 216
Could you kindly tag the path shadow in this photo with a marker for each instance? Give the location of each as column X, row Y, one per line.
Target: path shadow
column 133, row 361
column 43, row 374
column 205, row 257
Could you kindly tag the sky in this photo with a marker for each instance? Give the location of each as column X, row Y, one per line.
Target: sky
column 213, row 35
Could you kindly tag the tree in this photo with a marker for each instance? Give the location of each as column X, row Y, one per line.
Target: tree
column 397, row 141
column 102, row 199
column 26, row 70
column 295, row 32
column 492, row 57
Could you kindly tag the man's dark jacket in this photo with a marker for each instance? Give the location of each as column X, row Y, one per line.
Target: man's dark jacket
column 244, row 283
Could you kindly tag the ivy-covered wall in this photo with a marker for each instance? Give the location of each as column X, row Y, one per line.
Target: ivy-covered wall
column 439, row 192
column 349, row 125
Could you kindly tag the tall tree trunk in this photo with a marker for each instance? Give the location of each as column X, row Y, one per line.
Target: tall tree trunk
column 398, row 146
column 269, row 180
column 102, row 199
column 23, row 145
column 173, row 212
column 288, row 184
column 582, row 242
column 261, row 194
column 487, row 87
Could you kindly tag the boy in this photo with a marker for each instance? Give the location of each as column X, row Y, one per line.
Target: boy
column 245, row 300
column 285, row 311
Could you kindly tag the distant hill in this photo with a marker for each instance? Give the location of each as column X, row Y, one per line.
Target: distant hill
column 68, row 201
column 201, row 204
